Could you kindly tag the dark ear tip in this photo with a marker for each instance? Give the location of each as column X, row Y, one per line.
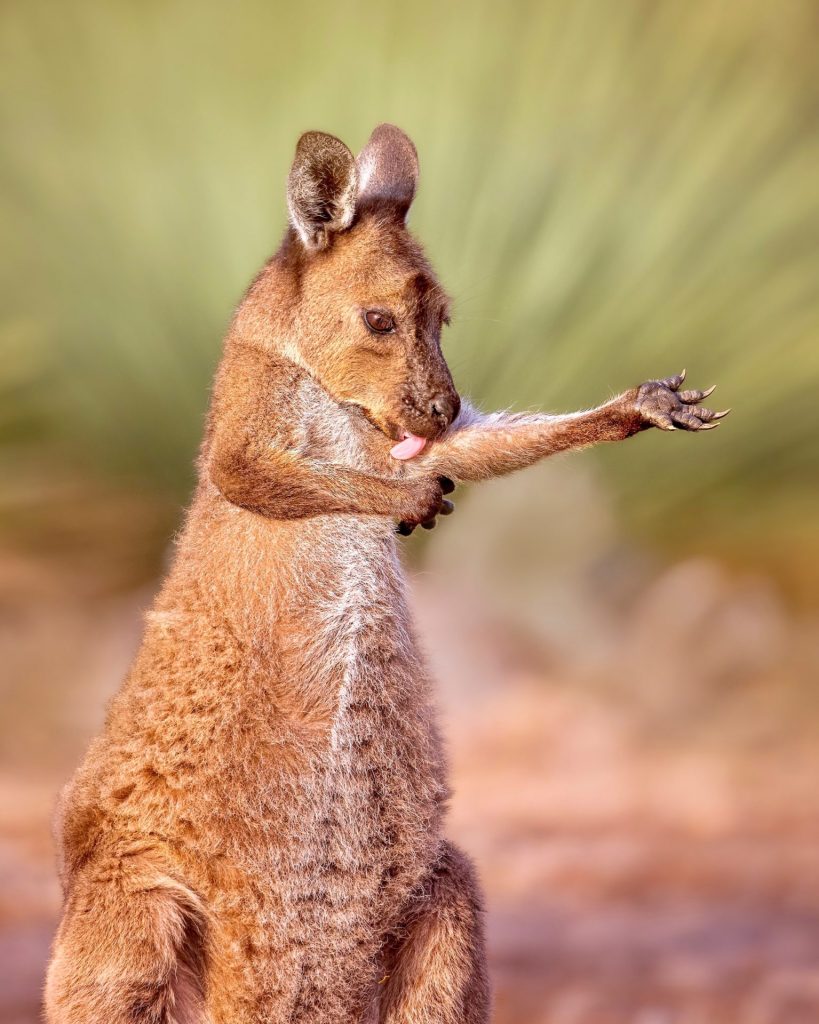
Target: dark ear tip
column 386, row 128
column 391, row 137
column 314, row 142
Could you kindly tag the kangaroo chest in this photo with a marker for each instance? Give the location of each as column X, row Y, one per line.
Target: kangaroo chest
column 357, row 825
column 358, row 819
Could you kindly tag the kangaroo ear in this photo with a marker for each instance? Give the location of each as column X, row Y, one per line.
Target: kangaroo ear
column 388, row 169
column 321, row 188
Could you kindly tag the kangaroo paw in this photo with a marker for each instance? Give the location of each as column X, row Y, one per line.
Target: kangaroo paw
column 660, row 403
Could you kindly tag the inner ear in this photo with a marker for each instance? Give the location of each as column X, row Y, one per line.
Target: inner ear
column 388, row 170
column 321, row 188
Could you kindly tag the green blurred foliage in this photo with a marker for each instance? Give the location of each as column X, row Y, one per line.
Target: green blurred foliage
column 610, row 191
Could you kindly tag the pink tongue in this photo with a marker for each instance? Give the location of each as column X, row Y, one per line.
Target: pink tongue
column 409, row 447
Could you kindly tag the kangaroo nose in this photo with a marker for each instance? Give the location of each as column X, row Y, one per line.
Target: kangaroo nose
column 445, row 407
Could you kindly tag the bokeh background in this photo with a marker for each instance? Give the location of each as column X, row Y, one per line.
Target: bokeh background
column 626, row 639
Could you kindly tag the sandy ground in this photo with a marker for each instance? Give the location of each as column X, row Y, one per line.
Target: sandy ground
column 634, row 873
column 630, row 884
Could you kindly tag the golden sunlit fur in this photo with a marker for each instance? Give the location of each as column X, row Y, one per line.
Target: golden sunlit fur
column 257, row 835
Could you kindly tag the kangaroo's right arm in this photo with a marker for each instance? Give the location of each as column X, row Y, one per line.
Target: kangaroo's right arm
column 258, row 461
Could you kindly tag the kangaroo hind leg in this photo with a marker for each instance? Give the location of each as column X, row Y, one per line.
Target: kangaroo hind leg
column 437, row 967
column 130, row 950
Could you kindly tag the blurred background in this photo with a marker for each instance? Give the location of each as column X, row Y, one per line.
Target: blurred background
column 626, row 639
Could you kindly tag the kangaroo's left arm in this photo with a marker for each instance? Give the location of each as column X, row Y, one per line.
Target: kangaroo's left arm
column 479, row 447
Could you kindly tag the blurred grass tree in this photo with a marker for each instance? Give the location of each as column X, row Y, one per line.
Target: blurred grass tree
column 610, row 191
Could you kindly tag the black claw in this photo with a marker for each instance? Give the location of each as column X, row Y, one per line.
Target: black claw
column 404, row 529
column 447, row 486
column 447, row 508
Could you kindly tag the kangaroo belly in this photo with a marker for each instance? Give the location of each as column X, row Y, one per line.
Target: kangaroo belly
column 373, row 787
column 286, row 757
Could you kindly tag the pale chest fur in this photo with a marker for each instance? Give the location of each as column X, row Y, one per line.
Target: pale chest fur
column 322, row 734
column 357, row 823
column 346, row 655
column 332, row 434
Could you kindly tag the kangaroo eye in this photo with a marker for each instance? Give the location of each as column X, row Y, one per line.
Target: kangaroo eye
column 378, row 322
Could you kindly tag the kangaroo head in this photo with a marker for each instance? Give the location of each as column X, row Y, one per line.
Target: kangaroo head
column 370, row 311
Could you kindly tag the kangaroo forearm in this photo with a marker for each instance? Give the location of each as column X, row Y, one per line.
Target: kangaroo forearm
column 502, row 443
column 289, row 491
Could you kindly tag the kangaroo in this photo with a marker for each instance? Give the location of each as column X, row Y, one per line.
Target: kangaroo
column 257, row 835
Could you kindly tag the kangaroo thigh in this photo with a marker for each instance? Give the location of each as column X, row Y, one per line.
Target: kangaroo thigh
column 437, row 964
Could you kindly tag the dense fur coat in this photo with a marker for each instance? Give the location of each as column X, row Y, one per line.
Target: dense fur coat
column 257, row 835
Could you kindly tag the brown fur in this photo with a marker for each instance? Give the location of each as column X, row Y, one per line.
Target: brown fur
column 257, row 834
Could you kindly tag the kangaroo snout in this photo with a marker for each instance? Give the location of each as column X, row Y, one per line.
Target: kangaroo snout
column 429, row 413
column 445, row 407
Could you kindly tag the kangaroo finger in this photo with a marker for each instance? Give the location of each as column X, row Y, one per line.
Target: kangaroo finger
column 706, row 415
column 661, row 420
column 673, row 383
column 686, row 420
column 693, row 396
